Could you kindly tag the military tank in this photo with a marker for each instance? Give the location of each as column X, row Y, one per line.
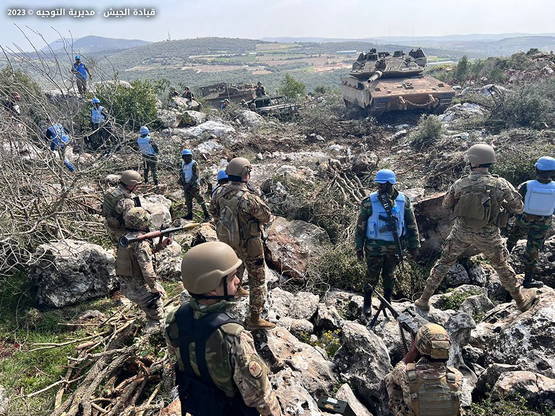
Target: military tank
column 380, row 82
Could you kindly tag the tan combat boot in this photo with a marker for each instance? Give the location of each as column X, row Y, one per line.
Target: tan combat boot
column 256, row 322
column 241, row 292
column 524, row 298
column 423, row 302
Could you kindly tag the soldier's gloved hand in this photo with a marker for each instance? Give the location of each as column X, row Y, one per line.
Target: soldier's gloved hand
column 360, row 254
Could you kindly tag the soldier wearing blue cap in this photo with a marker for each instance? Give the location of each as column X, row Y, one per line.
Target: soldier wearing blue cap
column 189, row 180
column 222, row 179
column 82, row 74
column 535, row 221
column 375, row 236
column 149, row 151
column 98, row 119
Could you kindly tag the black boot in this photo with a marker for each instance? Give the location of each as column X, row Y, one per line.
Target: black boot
column 189, row 216
column 529, row 281
column 367, row 306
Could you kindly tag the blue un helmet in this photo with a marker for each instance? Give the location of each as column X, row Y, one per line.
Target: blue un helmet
column 77, row 57
column 143, row 131
column 221, row 175
column 95, row 100
column 185, row 152
column 384, row 176
column 545, row 163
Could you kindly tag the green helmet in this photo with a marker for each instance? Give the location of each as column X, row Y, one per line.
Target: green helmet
column 204, row 266
column 480, row 154
column 137, row 218
column 130, row 178
column 432, row 340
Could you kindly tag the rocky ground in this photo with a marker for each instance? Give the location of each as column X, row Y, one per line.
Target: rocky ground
column 313, row 171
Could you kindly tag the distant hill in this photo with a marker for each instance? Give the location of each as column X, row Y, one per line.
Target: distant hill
column 94, row 45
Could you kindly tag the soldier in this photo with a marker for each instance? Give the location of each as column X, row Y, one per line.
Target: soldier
column 225, row 375
column 118, row 200
column 422, row 384
column 82, row 74
column 188, row 178
column 59, row 139
column 149, row 151
column 135, row 268
column 222, row 179
column 479, row 202
column 188, row 95
column 98, row 118
column 239, row 216
column 260, row 90
column 534, row 222
column 374, row 236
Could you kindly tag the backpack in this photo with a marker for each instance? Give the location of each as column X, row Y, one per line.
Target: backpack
column 227, row 228
column 479, row 206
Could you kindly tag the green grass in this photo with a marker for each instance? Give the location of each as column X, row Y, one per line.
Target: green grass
column 454, row 300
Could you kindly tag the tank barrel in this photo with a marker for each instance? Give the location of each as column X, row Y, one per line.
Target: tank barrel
column 376, row 75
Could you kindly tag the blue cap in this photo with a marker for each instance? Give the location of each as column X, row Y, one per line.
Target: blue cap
column 545, row 163
column 222, row 175
column 95, row 100
column 384, row 176
column 65, row 139
column 77, row 57
column 186, row 152
column 144, row 130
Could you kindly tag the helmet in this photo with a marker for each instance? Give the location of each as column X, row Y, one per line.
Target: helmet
column 480, row 154
column 130, row 178
column 77, row 57
column 95, row 100
column 137, row 218
column 384, row 176
column 221, row 175
column 16, row 96
column 204, row 266
column 144, row 130
column 432, row 340
column 186, row 152
column 545, row 163
column 238, row 166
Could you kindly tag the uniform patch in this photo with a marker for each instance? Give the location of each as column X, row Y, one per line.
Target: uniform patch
column 255, row 369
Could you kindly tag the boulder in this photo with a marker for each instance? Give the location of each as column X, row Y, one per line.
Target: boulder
column 327, row 318
column 292, row 245
column 4, row 401
column 434, row 222
column 293, row 398
column 347, row 304
column 364, row 163
column 183, row 104
column 456, row 276
column 159, row 208
column 168, row 262
column 488, row 378
column 192, row 118
column 545, row 269
column 346, row 394
column 525, row 339
column 169, row 118
column 208, row 147
column 538, row 390
column 302, row 305
column 460, row 112
column 454, row 298
column 301, row 328
column 250, row 118
column 476, row 305
column 67, row 272
column 209, row 129
column 363, row 362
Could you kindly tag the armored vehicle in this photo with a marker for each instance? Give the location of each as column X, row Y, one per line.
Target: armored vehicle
column 380, row 82
column 278, row 107
column 215, row 94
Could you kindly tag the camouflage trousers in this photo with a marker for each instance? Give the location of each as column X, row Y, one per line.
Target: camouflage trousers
column 535, row 228
column 383, row 264
column 150, row 164
column 252, row 254
column 193, row 192
column 81, row 85
column 488, row 241
column 136, row 290
column 398, row 397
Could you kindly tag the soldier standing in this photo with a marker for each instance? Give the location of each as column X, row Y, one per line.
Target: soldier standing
column 117, row 201
column 386, row 225
column 98, row 118
column 479, row 202
column 422, row 384
column 240, row 215
column 222, row 179
column 149, row 151
column 260, row 90
column 188, row 178
column 225, row 375
column 135, row 268
column 82, row 74
column 535, row 221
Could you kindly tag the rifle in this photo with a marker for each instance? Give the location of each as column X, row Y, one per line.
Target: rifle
column 125, row 240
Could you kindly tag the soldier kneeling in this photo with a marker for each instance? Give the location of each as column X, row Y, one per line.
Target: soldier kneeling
column 218, row 371
column 422, row 384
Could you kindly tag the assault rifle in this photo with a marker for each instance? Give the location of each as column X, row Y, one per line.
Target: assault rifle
column 125, row 240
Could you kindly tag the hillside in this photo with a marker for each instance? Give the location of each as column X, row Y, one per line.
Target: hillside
column 94, row 45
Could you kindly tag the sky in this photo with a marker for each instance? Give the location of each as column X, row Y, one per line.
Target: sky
column 256, row 19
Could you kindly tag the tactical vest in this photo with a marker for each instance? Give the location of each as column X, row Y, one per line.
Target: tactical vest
column 111, row 199
column 377, row 226
column 228, row 228
column 187, row 171
column 96, row 115
column 198, row 393
column 433, row 390
column 81, row 70
column 540, row 198
column 478, row 204
column 145, row 146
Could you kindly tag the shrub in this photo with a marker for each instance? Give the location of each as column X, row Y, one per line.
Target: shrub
column 517, row 165
column 463, row 68
column 504, row 407
column 320, row 89
column 428, row 131
column 292, row 88
column 455, row 300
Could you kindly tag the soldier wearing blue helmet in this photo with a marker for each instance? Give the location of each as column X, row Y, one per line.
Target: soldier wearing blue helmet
column 149, row 151
column 98, row 119
column 189, row 180
column 82, row 74
column 222, row 179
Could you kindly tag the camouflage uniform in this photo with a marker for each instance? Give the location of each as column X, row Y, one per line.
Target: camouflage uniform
column 535, row 228
column 252, row 214
column 233, row 363
column 116, row 201
column 135, row 271
column 381, row 256
column 487, row 239
column 398, row 386
column 191, row 190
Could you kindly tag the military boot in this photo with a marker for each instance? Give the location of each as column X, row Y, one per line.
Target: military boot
column 242, row 292
column 524, row 298
column 423, row 302
column 367, row 306
column 256, row 322
column 529, row 281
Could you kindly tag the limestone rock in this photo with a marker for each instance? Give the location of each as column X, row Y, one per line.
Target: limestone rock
column 301, row 305
column 347, row 304
column 250, row 118
column 298, row 327
column 209, row 129
column 292, row 245
column 169, row 118
column 4, row 401
column 461, row 111
column 159, row 208
column 68, row 271
column 537, row 389
column 545, row 269
column 168, row 262
column 327, row 318
column 346, row 394
column 476, row 305
column 489, row 377
column 434, row 222
column 191, row 118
